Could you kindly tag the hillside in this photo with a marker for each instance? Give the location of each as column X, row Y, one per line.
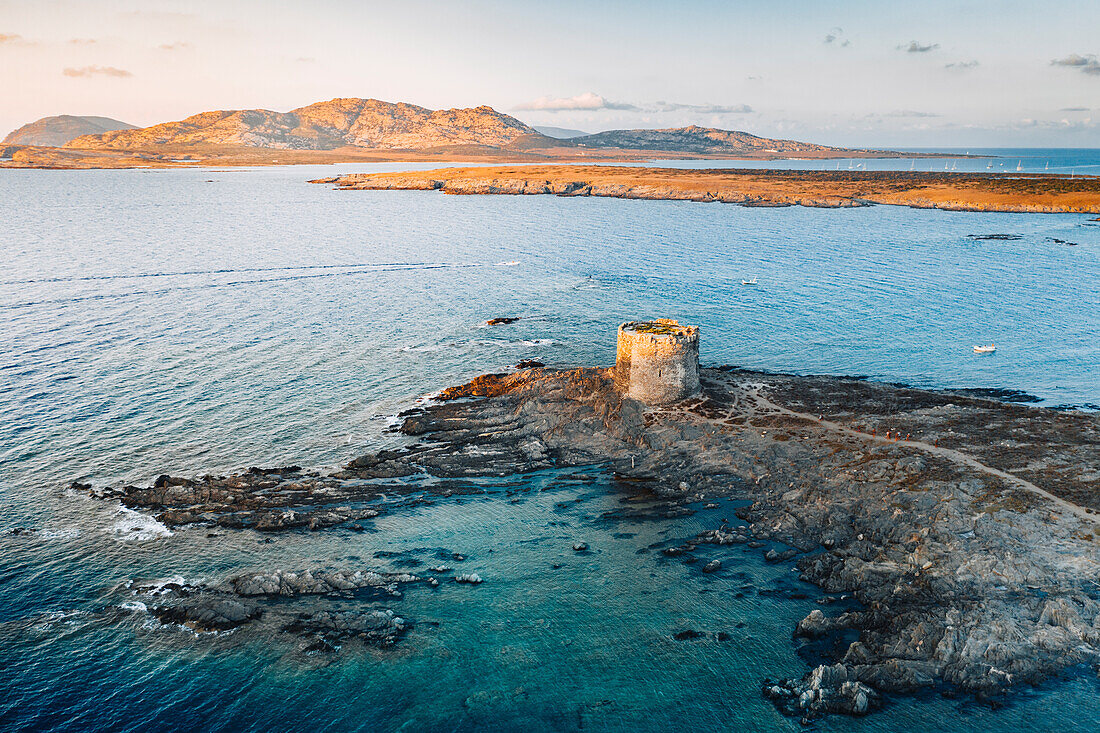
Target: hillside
column 363, row 123
column 560, row 133
column 57, row 130
column 698, row 140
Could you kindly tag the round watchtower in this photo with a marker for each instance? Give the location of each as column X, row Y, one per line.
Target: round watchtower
column 657, row 361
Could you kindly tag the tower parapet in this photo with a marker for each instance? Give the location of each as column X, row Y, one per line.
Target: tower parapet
column 657, row 361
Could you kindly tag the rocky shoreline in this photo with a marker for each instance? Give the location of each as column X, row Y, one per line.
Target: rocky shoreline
column 966, row 528
column 1016, row 193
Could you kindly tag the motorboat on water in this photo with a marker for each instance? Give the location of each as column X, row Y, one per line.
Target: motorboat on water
column 749, row 282
column 985, row 349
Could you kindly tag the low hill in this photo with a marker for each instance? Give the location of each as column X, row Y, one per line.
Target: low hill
column 561, row 133
column 698, row 140
column 363, row 123
column 57, row 130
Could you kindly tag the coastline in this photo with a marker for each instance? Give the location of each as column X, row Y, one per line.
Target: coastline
column 967, row 529
column 1011, row 193
column 194, row 156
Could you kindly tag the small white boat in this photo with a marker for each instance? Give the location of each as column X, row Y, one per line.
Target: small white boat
column 985, row 349
column 749, row 282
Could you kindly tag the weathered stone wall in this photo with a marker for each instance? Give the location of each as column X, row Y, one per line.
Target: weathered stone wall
column 657, row 361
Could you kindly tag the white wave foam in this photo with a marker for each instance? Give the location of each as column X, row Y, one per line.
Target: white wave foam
column 133, row 606
column 137, row 527
column 60, row 533
column 155, row 587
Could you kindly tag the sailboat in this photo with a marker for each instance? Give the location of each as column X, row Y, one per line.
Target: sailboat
column 1020, row 166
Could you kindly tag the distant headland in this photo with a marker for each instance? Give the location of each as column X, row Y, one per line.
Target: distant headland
column 353, row 129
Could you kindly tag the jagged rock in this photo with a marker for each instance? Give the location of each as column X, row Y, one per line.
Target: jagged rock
column 380, row 628
column 291, row 583
column 827, row 689
column 209, row 614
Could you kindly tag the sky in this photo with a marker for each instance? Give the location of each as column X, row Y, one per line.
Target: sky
column 946, row 73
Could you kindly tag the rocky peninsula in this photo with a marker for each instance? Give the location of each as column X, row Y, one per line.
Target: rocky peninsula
column 965, row 528
column 1001, row 192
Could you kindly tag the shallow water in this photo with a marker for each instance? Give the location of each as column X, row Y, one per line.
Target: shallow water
column 197, row 321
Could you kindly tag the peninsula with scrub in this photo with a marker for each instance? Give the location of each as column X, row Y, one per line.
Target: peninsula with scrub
column 1000, row 192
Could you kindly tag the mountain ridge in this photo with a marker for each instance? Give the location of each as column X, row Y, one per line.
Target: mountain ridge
column 379, row 125
column 349, row 121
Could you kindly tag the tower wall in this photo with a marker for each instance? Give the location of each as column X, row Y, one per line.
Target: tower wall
column 657, row 361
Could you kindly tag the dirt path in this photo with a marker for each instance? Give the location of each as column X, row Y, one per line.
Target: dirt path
column 753, row 392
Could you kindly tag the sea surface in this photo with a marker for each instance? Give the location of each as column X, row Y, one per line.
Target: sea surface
column 1061, row 161
column 203, row 321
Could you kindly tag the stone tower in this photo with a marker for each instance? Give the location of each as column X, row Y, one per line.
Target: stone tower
column 657, row 361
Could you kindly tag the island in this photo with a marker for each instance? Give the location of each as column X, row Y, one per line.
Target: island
column 1001, row 192
column 360, row 130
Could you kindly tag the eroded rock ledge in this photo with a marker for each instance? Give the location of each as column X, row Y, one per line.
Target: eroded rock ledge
column 965, row 527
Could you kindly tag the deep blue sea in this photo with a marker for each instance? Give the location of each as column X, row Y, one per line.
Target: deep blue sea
column 203, row 321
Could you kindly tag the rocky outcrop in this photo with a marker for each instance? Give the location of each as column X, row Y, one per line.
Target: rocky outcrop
column 60, row 129
column 961, row 531
column 1032, row 193
column 364, row 123
column 256, row 603
column 966, row 575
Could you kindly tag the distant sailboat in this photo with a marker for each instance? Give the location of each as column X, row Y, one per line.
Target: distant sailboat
column 1020, row 165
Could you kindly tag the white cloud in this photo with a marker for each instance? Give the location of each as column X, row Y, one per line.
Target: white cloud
column 918, row 47
column 591, row 102
column 835, row 37
column 910, row 113
column 1087, row 64
column 587, row 101
column 85, row 71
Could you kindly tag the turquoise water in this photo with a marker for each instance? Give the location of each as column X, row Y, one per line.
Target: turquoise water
column 204, row 321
